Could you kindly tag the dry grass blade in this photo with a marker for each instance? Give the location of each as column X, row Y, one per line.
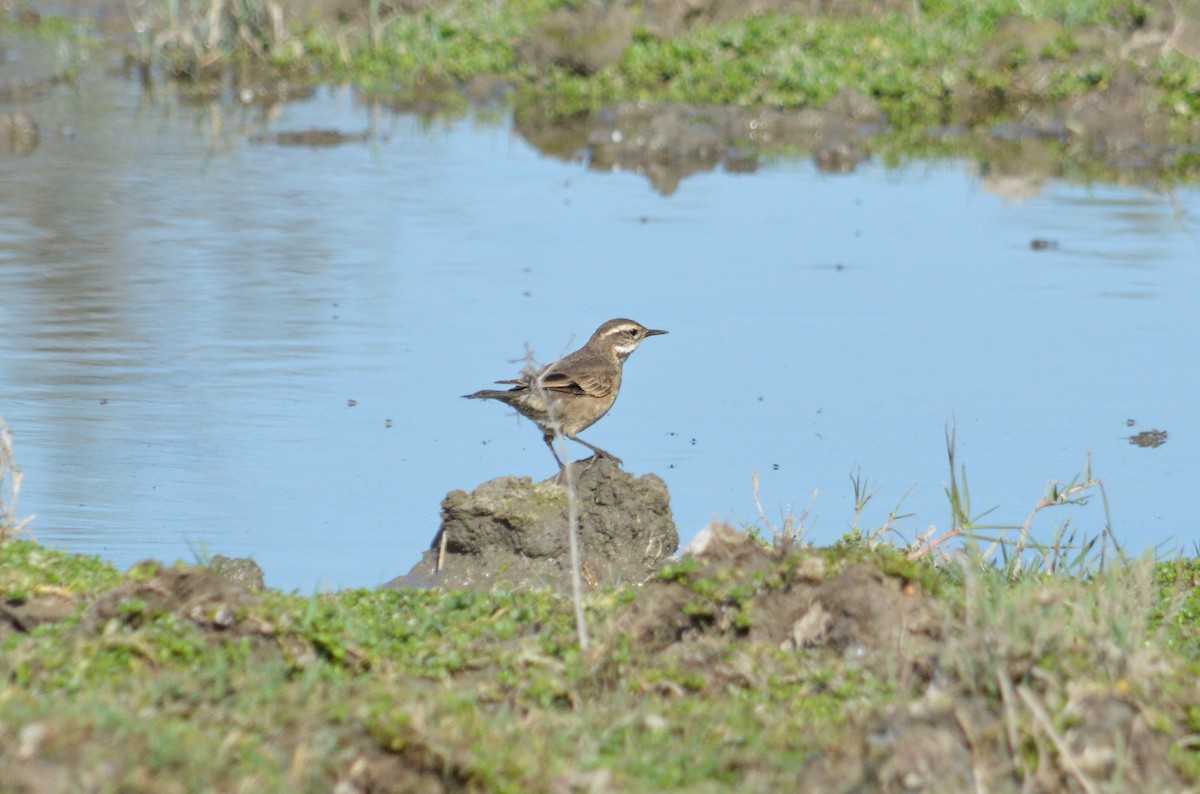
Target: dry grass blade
column 792, row 530
column 1067, row 551
column 10, row 525
column 568, row 482
column 573, row 539
column 198, row 35
column 1068, row 758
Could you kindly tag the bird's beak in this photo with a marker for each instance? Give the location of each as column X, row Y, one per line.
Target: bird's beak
column 654, row 333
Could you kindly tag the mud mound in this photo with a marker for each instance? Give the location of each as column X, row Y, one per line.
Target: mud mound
column 25, row 615
column 966, row 747
column 790, row 598
column 213, row 598
column 512, row 532
column 213, row 602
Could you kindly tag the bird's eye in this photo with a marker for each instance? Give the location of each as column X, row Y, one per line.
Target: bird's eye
column 631, row 331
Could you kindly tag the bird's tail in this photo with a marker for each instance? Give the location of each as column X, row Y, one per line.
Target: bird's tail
column 489, row 394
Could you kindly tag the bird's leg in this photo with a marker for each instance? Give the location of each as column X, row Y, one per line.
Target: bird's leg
column 549, row 439
column 599, row 452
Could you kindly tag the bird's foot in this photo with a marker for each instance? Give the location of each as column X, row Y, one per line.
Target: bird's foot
column 608, row 455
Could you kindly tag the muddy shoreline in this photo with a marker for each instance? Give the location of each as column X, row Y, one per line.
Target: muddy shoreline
column 1124, row 119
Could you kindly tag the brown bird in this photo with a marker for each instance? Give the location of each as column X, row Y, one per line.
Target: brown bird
column 573, row 393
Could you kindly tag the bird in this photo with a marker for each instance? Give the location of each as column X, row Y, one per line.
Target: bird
column 571, row 394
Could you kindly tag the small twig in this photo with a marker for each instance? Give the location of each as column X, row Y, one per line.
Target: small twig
column 1055, row 498
column 1010, row 717
column 441, row 560
column 568, row 481
column 10, row 526
column 573, row 538
column 758, row 504
column 1043, row 720
column 793, row 527
column 930, row 546
column 1174, row 41
column 977, row 772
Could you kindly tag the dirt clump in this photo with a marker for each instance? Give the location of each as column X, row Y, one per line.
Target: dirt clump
column 25, row 615
column 582, row 40
column 239, row 570
column 790, row 598
column 512, row 532
column 214, row 602
column 970, row 746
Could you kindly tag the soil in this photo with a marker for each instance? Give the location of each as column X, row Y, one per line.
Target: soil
column 50, row 756
column 855, row 612
column 203, row 596
column 716, row 615
column 955, row 747
column 512, row 532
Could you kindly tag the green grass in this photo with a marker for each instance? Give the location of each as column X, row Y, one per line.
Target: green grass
column 927, row 65
column 490, row 692
column 918, row 63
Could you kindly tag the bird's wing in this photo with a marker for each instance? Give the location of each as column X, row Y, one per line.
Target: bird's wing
column 576, row 380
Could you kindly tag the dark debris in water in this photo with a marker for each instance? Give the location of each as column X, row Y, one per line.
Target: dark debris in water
column 1149, row 438
column 313, row 137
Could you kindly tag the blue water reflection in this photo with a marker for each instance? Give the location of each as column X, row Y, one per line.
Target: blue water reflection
column 203, row 341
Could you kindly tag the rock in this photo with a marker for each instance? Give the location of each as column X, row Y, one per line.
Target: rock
column 512, row 532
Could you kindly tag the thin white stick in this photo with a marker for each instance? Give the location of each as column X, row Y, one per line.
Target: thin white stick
column 572, row 507
column 1043, row 720
column 573, row 538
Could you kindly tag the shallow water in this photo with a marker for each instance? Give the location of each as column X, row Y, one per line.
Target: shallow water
column 211, row 345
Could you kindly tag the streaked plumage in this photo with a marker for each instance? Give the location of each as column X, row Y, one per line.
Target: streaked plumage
column 573, row 393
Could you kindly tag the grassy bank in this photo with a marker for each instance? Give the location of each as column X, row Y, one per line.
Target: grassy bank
column 1086, row 90
column 748, row 667
column 926, row 63
column 175, row 679
column 745, row 667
